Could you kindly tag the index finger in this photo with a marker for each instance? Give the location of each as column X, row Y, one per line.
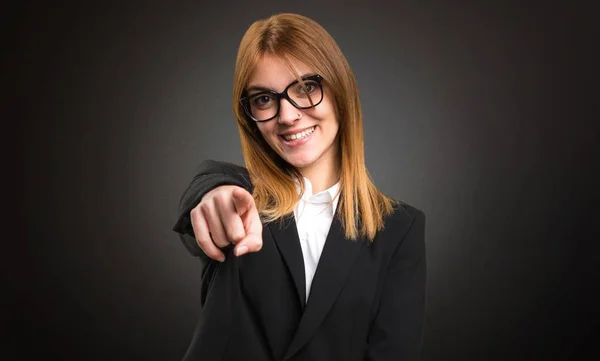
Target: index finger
column 253, row 241
column 242, row 200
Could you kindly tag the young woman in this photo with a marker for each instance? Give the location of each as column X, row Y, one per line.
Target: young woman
column 303, row 257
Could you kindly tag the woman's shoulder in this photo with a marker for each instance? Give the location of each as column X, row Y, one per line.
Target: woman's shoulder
column 404, row 217
column 211, row 166
column 223, row 172
column 405, row 210
column 403, row 232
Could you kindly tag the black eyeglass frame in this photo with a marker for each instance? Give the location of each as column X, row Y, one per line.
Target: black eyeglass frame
column 284, row 94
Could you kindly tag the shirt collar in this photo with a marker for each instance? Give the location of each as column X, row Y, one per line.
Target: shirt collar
column 322, row 197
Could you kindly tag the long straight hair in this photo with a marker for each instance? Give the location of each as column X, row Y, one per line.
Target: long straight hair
column 362, row 207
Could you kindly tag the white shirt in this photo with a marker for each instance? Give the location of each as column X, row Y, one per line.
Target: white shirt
column 314, row 215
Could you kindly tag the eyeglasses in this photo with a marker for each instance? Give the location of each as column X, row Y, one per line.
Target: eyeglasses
column 265, row 104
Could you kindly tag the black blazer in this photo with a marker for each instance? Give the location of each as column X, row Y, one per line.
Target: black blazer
column 367, row 300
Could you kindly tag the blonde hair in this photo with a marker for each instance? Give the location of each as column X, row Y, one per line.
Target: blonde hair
column 362, row 207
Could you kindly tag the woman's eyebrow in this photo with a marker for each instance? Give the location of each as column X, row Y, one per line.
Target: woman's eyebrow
column 262, row 87
column 257, row 87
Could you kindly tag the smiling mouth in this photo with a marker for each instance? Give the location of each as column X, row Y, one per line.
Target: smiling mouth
column 299, row 136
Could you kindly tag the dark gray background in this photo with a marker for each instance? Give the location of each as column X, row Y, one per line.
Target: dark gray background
column 473, row 112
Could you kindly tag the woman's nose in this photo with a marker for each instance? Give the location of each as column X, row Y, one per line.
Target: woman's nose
column 288, row 114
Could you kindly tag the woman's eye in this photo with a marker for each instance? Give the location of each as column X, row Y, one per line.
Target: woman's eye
column 261, row 100
column 307, row 88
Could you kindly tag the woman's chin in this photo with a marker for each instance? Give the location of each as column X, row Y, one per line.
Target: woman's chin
column 299, row 162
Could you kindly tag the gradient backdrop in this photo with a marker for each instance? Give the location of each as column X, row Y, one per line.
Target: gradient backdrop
column 122, row 101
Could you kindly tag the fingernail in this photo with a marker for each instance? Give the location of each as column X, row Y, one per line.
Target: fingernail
column 241, row 250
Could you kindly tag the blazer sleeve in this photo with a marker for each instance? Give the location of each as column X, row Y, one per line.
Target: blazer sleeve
column 208, row 175
column 397, row 330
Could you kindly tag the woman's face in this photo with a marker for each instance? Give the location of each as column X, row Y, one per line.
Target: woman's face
column 305, row 138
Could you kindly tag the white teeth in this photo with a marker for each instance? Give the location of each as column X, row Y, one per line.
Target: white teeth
column 299, row 135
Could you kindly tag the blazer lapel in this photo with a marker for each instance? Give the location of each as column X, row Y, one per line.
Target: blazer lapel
column 288, row 243
column 337, row 258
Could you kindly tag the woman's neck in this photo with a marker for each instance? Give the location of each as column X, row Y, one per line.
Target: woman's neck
column 322, row 176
